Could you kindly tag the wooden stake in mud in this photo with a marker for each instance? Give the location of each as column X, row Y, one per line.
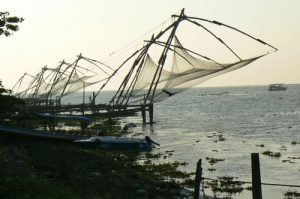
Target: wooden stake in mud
column 151, row 113
column 93, row 103
column 83, row 99
column 256, row 180
column 198, row 178
column 143, row 114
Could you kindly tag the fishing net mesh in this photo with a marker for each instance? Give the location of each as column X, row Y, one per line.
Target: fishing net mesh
column 187, row 71
column 64, row 85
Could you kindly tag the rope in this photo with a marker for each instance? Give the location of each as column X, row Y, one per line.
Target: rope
column 106, row 59
column 221, row 24
column 214, row 35
column 263, row 183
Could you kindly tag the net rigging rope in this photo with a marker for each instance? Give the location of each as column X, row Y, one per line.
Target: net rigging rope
column 131, row 44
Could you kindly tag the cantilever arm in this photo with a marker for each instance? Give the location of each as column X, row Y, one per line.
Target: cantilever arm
column 233, row 28
column 198, row 24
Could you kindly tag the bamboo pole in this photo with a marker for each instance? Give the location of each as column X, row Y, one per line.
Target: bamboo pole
column 69, row 78
column 162, row 59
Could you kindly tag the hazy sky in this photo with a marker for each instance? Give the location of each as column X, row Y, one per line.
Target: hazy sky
column 61, row 29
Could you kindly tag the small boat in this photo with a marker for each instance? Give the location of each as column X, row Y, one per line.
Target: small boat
column 9, row 131
column 277, row 87
column 111, row 142
column 67, row 117
column 141, row 144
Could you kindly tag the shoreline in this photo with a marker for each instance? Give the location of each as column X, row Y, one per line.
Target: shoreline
column 61, row 170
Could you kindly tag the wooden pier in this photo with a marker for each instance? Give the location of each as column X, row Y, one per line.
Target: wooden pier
column 90, row 109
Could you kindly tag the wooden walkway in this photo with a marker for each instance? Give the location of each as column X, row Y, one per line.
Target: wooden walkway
column 91, row 109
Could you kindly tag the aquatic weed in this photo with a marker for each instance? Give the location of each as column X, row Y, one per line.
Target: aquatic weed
column 291, row 195
column 272, row 154
column 227, row 185
column 213, row 161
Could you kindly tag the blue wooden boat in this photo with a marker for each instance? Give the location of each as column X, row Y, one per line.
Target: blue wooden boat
column 67, row 117
column 111, row 142
column 10, row 131
column 141, row 144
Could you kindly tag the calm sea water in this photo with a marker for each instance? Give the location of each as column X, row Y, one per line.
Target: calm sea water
column 189, row 124
column 246, row 117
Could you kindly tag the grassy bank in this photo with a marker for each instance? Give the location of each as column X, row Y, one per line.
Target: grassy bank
column 41, row 169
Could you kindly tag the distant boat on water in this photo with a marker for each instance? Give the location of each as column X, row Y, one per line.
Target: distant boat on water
column 277, row 87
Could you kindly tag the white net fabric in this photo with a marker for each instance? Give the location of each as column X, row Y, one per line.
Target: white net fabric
column 42, row 89
column 187, row 71
column 58, row 86
column 77, row 83
column 145, row 78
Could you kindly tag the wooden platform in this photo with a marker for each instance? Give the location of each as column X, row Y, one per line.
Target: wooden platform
column 90, row 109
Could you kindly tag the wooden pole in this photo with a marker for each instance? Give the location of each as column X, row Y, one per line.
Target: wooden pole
column 143, row 114
column 256, row 180
column 198, row 179
column 83, row 99
column 151, row 113
column 109, row 113
column 93, row 103
column 69, row 78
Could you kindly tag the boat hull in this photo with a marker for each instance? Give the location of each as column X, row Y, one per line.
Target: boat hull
column 109, row 142
column 116, row 143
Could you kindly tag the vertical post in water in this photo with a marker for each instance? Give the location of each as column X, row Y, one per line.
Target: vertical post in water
column 198, row 179
column 143, row 113
column 151, row 112
column 83, row 99
column 93, row 102
column 256, row 180
column 109, row 113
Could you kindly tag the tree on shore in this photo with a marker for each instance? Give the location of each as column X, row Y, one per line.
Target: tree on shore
column 9, row 24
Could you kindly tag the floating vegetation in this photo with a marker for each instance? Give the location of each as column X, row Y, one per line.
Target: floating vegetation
column 213, row 161
column 163, row 155
column 218, row 137
column 294, row 158
column 190, row 183
column 295, row 142
column 291, row 195
column 178, row 163
column 171, row 151
column 150, row 155
column 289, row 161
column 211, row 169
column 283, row 148
column 221, row 138
column 225, row 186
column 272, row 154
